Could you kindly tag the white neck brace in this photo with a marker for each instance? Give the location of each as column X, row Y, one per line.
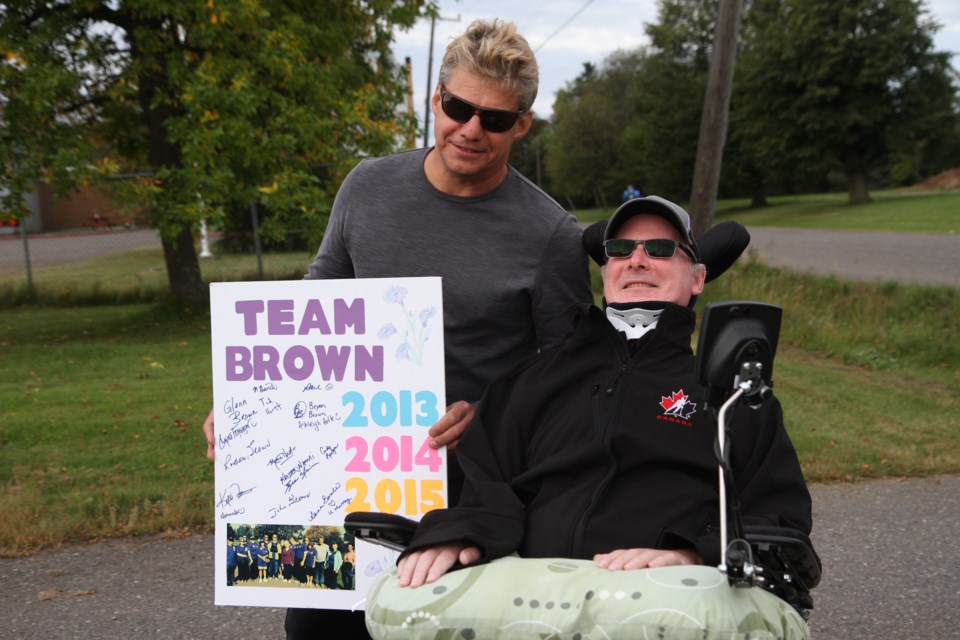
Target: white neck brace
column 635, row 322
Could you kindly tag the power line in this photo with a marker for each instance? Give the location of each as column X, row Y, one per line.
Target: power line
column 561, row 27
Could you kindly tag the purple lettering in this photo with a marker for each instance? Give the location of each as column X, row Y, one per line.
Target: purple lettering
column 349, row 315
column 280, row 317
column 239, row 366
column 298, row 362
column 265, row 361
column 249, row 310
column 332, row 361
column 366, row 363
column 314, row 318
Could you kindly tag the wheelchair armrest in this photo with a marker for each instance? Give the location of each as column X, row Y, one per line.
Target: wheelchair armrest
column 791, row 567
column 385, row 529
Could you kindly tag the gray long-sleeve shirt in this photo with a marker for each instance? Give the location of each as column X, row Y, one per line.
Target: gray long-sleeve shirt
column 511, row 261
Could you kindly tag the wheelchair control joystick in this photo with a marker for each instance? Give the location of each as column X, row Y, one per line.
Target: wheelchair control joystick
column 756, row 390
column 739, row 567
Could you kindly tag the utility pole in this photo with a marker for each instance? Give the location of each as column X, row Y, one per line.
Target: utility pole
column 426, row 104
column 408, row 70
column 713, row 122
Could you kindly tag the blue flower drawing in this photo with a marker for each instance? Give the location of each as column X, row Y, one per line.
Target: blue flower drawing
column 414, row 329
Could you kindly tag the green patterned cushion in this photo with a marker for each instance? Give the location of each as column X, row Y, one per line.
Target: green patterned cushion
column 548, row 598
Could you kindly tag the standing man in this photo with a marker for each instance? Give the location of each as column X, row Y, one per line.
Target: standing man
column 511, row 259
column 349, row 568
column 323, row 549
column 243, row 560
column 299, row 555
column 231, row 561
column 274, row 558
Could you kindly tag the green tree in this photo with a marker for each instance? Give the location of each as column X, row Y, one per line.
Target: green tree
column 586, row 158
column 635, row 118
column 527, row 154
column 210, row 104
column 662, row 138
column 841, row 85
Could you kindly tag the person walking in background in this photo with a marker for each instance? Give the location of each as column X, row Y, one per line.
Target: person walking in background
column 631, row 192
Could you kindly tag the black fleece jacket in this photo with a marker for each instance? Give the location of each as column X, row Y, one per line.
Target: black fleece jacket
column 586, row 448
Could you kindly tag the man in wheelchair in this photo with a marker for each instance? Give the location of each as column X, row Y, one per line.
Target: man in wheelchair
column 601, row 448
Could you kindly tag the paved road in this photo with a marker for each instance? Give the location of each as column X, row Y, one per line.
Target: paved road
column 891, row 567
column 56, row 249
column 862, row 255
column 855, row 255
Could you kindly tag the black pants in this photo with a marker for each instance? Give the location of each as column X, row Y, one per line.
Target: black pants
column 307, row 624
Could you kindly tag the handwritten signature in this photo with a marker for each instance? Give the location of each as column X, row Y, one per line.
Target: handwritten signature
column 236, row 432
column 281, row 457
column 257, row 448
column 231, row 493
column 298, row 472
column 326, row 500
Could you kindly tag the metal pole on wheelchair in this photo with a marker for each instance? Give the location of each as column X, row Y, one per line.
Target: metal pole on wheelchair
column 738, row 566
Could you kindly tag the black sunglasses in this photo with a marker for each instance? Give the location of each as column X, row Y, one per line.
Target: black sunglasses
column 655, row 248
column 493, row 120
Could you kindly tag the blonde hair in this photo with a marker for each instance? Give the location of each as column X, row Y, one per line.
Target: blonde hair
column 495, row 50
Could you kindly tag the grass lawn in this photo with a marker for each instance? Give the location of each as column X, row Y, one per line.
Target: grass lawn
column 901, row 210
column 102, row 403
column 100, row 434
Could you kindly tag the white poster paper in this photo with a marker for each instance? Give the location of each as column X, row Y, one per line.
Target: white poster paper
column 323, row 394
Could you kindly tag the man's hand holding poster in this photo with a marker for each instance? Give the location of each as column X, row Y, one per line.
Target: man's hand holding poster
column 323, row 395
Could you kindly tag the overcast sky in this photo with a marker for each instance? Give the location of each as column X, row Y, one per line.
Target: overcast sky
column 566, row 33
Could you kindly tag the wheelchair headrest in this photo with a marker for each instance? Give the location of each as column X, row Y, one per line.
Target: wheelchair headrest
column 720, row 246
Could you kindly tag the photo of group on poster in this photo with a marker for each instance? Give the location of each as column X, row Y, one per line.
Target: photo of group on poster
column 287, row 556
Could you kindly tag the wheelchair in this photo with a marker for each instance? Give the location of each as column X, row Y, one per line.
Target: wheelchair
column 761, row 589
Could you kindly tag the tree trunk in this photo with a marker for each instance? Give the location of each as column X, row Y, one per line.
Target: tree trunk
column 183, row 267
column 758, row 192
column 713, row 122
column 179, row 252
column 599, row 198
column 857, row 189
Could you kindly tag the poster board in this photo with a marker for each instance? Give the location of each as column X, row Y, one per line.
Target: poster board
column 323, row 394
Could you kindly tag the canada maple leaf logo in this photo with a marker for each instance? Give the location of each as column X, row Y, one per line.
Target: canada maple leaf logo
column 678, row 404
